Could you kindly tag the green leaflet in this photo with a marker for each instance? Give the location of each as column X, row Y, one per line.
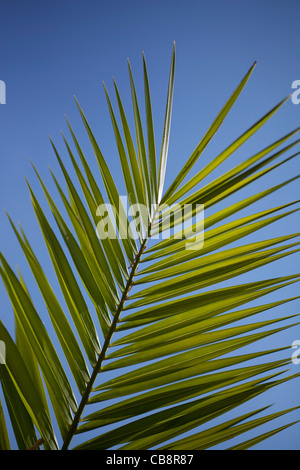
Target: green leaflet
column 90, row 232
column 256, row 440
column 215, row 218
column 198, row 282
column 215, row 238
column 187, row 364
column 151, row 430
column 142, row 156
column 67, row 339
column 113, row 194
column 205, row 276
column 224, row 155
column 95, row 260
column 239, row 170
column 171, row 394
column 20, row 418
column 21, row 381
column 4, row 438
column 150, row 136
column 42, row 347
column 136, row 174
column 205, row 319
column 166, row 131
column 214, row 405
column 95, row 285
column 184, row 368
column 226, row 431
column 190, row 340
column 72, row 293
column 112, row 246
column 208, row 136
column 26, row 352
column 213, row 259
column 179, row 306
column 122, row 154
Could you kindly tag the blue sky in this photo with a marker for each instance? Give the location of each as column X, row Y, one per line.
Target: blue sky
column 51, row 51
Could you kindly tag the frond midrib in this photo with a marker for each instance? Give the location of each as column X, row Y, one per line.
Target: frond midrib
column 102, row 354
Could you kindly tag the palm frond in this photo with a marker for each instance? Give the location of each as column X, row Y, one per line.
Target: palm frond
column 153, row 334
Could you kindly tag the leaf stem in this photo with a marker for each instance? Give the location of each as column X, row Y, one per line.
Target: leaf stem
column 96, row 370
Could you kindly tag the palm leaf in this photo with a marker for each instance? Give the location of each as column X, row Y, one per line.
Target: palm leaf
column 153, row 346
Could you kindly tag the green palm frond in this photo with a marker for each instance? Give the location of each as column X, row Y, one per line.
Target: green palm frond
column 151, row 342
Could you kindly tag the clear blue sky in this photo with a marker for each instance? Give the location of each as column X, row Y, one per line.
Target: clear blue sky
column 50, row 51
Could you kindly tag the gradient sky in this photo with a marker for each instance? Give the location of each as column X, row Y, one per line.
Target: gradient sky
column 51, row 51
